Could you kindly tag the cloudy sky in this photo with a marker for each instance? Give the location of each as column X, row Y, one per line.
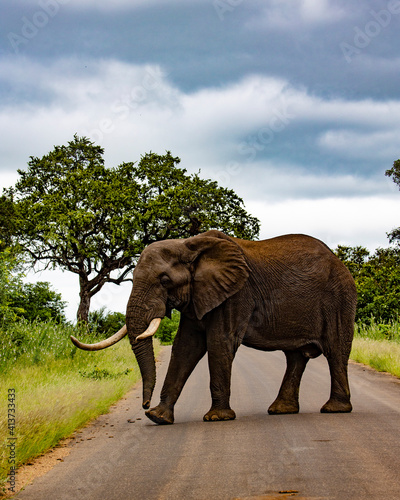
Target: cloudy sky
column 295, row 104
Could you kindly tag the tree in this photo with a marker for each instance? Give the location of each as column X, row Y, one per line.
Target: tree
column 104, row 323
column 353, row 257
column 25, row 300
column 7, row 222
column 394, row 173
column 37, row 301
column 378, row 286
column 10, row 284
column 76, row 214
column 377, row 279
column 377, row 276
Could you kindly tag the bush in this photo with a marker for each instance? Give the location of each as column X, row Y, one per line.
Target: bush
column 378, row 330
column 31, row 301
column 104, row 324
column 37, row 301
column 377, row 279
column 168, row 328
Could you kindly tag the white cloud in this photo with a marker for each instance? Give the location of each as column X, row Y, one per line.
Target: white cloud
column 284, row 14
column 362, row 145
column 365, row 112
column 317, row 11
column 279, row 181
column 133, row 108
column 348, row 221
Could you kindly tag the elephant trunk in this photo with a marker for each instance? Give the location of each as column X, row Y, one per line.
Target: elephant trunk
column 144, row 353
column 140, row 336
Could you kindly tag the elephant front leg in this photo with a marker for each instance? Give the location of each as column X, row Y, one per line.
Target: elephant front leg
column 288, row 397
column 189, row 347
column 225, row 332
column 220, row 365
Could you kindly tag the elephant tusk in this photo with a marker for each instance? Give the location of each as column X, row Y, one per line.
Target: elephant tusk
column 151, row 329
column 103, row 344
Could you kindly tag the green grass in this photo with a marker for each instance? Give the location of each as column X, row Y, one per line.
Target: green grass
column 382, row 355
column 378, row 345
column 58, row 388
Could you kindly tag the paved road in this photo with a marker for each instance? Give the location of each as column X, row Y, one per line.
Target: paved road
column 257, row 456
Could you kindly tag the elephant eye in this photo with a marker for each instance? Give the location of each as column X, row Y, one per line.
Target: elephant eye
column 165, row 280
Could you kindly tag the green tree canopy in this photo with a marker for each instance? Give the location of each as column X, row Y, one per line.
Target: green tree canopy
column 378, row 285
column 74, row 213
column 25, row 300
column 353, row 257
column 377, row 280
column 38, row 301
column 105, row 323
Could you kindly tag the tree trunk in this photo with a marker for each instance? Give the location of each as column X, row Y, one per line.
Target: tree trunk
column 83, row 310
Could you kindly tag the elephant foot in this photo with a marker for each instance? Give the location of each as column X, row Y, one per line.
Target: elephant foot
column 161, row 415
column 215, row 415
column 336, row 406
column 280, row 407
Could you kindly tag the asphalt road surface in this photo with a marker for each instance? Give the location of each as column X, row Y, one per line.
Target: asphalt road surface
column 257, row 456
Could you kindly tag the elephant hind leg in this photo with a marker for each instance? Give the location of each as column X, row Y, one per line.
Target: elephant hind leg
column 288, row 397
column 339, row 401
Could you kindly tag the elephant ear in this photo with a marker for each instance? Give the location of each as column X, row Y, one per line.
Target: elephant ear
column 220, row 271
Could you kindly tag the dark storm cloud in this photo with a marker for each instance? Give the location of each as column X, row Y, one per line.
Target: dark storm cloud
column 200, row 44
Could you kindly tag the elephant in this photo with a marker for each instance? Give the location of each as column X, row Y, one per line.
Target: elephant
column 288, row 293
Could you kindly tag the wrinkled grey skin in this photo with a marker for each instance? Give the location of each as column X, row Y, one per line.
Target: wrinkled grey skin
column 289, row 293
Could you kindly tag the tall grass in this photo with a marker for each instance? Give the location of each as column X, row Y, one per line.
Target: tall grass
column 378, row 331
column 24, row 343
column 58, row 388
column 378, row 345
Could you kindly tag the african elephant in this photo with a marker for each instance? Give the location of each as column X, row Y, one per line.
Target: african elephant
column 288, row 293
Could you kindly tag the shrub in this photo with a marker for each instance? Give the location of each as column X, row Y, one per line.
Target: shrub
column 37, row 301
column 168, row 328
column 375, row 330
column 104, row 324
